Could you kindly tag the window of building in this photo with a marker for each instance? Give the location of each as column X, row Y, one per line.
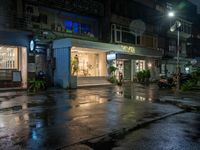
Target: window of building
column 140, row 65
column 118, row 36
column 172, row 46
column 68, row 26
column 43, row 18
column 8, row 57
column 85, row 28
column 126, row 35
column 76, row 27
column 88, row 63
column 138, row 40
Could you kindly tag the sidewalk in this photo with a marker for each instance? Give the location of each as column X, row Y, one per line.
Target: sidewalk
column 186, row 100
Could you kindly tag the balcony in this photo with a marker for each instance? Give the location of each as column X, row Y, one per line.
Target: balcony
column 185, row 29
column 182, row 34
column 11, row 21
column 174, row 54
column 80, row 6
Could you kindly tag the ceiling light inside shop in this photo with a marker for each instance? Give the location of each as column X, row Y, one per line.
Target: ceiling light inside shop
column 149, row 65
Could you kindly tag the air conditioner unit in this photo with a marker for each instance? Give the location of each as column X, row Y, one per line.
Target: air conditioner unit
column 32, row 10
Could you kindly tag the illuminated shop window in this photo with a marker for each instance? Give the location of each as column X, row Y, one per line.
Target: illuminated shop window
column 8, row 57
column 140, row 65
column 76, row 27
column 68, row 26
column 88, row 63
column 85, row 28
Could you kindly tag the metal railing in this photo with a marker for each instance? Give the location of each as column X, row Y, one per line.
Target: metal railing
column 10, row 21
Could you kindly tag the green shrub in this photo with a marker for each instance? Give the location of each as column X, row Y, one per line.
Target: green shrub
column 112, row 69
column 142, row 75
column 196, row 75
column 147, row 74
column 188, row 85
column 35, row 85
column 112, row 79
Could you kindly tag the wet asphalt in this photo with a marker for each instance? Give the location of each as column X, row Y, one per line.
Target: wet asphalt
column 68, row 119
column 179, row 132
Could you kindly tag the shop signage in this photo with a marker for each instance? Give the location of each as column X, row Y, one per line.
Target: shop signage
column 32, row 45
column 111, row 56
column 128, row 49
column 31, row 67
column 16, row 76
column 193, row 61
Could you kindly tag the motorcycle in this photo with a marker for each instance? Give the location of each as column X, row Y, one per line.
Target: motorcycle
column 166, row 82
column 169, row 82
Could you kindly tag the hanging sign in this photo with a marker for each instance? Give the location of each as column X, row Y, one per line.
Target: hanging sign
column 32, row 45
column 128, row 49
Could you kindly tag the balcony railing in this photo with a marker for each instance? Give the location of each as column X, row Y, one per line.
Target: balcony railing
column 83, row 6
column 174, row 54
column 11, row 21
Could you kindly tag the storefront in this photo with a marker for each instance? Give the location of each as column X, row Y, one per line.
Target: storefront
column 87, row 62
column 14, row 59
column 80, row 62
column 13, row 66
column 130, row 64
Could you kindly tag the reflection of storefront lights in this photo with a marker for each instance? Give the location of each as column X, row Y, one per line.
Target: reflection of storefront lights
column 149, row 65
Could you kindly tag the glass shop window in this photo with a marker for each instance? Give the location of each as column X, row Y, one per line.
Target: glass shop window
column 85, row 28
column 68, row 26
column 8, row 57
column 76, row 27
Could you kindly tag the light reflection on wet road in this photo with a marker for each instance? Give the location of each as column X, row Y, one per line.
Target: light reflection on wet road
column 180, row 132
column 58, row 117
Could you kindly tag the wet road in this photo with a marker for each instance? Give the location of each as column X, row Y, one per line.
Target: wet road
column 59, row 118
column 180, row 132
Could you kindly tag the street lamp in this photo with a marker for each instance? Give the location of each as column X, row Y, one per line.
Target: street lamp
column 176, row 26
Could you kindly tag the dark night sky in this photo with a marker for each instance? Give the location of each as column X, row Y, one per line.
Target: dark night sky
column 197, row 2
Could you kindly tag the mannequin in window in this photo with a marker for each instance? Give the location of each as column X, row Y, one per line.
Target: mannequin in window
column 75, row 64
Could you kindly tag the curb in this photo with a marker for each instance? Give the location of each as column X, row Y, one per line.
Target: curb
column 182, row 105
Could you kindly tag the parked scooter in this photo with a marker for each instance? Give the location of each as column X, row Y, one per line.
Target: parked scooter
column 169, row 82
column 43, row 77
column 166, row 82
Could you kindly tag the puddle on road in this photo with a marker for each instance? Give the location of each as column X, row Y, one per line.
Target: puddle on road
column 141, row 94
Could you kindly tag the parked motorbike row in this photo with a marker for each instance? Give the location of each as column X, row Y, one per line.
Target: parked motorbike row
column 170, row 82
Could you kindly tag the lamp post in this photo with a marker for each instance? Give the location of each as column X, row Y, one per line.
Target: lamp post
column 176, row 26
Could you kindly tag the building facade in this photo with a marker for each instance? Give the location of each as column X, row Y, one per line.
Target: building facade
column 185, row 13
column 134, row 29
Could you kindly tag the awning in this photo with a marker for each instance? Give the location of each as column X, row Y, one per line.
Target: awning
column 106, row 47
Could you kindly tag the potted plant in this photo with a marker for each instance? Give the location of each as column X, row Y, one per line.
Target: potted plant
column 112, row 77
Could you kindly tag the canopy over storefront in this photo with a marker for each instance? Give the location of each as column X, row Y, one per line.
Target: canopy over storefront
column 117, row 48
